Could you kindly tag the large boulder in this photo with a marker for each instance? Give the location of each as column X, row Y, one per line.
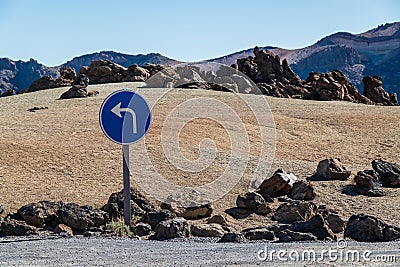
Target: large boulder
column 365, row 228
column 279, row 184
column 333, row 85
column 66, row 78
column 41, row 214
column 78, row 89
column 173, row 228
column 332, row 169
column 81, row 217
column 254, row 202
column 332, row 219
column 389, row 172
column 368, row 183
column 295, row 211
column 12, row 227
column 139, row 204
column 316, row 226
column 155, row 217
column 104, row 71
column 136, row 74
column 302, row 190
column 207, row 230
column 373, row 90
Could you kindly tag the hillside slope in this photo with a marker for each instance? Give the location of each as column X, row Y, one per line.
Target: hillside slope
column 60, row 153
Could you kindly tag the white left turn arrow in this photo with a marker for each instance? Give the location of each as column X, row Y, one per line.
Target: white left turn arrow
column 117, row 110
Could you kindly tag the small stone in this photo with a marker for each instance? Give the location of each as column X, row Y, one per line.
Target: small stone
column 258, row 234
column 207, row 230
column 232, row 238
column 63, row 229
column 290, row 236
column 142, row 229
column 220, row 219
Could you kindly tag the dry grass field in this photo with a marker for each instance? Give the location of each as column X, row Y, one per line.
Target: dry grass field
column 60, row 153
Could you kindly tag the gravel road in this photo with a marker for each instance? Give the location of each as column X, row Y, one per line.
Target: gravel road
column 79, row 251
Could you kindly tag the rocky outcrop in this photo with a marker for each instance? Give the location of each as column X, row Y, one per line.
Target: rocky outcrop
column 103, row 71
column 271, row 76
column 365, row 228
column 66, row 78
column 373, row 90
column 333, row 85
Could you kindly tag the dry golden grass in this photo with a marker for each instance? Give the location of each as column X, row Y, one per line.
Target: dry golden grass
column 61, row 153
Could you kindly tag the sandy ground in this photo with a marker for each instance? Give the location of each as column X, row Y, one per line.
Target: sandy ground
column 60, row 153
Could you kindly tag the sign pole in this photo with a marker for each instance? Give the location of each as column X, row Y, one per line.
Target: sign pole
column 127, row 185
column 125, row 118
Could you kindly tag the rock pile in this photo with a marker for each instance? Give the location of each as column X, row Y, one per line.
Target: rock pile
column 384, row 174
column 297, row 217
column 278, row 79
column 373, row 90
column 79, row 89
column 104, row 71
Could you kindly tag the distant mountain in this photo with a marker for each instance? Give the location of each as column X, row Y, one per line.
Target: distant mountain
column 375, row 52
column 119, row 58
column 18, row 75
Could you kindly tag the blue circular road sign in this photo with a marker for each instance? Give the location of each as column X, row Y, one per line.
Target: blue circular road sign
column 125, row 117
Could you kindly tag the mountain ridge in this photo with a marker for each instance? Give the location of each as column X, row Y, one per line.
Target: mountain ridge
column 374, row 52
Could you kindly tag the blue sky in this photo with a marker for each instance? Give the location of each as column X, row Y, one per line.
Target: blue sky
column 55, row 31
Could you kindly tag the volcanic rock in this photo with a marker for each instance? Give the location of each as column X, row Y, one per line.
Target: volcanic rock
column 172, row 228
column 365, row 228
column 368, row 183
column 389, row 172
column 332, row 169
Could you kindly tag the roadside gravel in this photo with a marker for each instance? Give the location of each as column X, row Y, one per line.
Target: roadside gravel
column 80, row 251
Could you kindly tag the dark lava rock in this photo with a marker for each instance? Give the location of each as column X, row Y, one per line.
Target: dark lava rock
column 365, row 228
